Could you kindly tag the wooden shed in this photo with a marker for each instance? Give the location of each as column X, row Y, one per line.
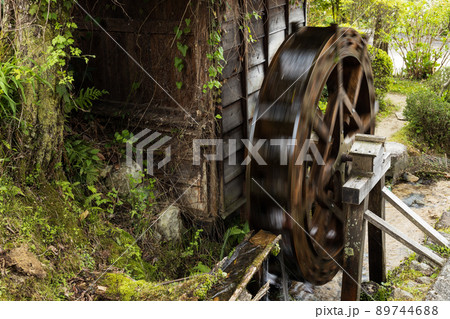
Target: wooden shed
column 138, row 62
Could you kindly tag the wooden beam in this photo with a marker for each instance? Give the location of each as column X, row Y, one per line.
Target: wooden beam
column 245, row 73
column 377, row 244
column 414, row 218
column 262, row 292
column 287, row 11
column 399, row 236
column 305, row 13
column 358, row 187
column 266, row 36
column 370, row 138
column 354, row 233
column 254, row 267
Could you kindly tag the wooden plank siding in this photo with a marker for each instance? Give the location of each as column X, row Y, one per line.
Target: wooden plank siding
column 146, row 32
column 135, row 102
column 247, row 63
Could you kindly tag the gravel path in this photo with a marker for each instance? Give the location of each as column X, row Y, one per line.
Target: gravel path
column 391, row 124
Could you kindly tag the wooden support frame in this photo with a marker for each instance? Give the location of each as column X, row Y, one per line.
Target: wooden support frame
column 376, row 240
column 405, row 240
column 354, row 233
column 364, row 198
column 414, row 218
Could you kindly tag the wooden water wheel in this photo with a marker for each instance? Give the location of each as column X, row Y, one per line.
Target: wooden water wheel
column 317, row 95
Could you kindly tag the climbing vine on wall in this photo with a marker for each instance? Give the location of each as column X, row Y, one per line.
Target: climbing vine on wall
column 182, row 48
column 215, row 55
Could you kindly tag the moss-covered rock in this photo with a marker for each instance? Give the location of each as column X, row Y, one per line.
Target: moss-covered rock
column 122, row 287
column 123, row 251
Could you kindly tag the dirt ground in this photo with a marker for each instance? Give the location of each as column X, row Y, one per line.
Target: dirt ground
column 435, row 200
column 391, row 124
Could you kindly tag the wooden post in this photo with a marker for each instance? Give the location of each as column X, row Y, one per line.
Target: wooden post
column 244, row 73
column 354, row 233
column 287, row 9
column 266, row 19
column 376, row 237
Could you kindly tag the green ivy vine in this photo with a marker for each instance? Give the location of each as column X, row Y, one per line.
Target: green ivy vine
column 182, row 48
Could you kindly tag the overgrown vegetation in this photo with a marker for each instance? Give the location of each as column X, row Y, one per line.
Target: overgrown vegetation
column 421, row 23
column 403, row 277
column 429, row 117
column 417, row 30
column 382, row 68
column 55, row 200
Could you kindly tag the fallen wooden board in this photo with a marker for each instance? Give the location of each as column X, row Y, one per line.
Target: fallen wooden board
column 414, row 218
column 242, row 266
column 405, row 240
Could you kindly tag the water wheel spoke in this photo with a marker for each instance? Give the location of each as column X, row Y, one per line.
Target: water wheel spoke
column 354, row 85
column 320, row 127
column 331, row 115
column 351, row 109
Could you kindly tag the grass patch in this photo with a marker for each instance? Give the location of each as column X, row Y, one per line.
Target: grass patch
column 406, row 86
column 388, row 109
column 121, row 287
column 415, row 145
column 404, row 137
column 405, row 278
column 443, row 251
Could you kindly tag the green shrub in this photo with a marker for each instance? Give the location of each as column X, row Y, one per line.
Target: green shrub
column 419, row 65
column 382, row 68
column 429, row 117
column 439, row 83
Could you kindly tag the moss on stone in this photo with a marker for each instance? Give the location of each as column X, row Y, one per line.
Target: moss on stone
column 405, row 278
column 123, row 251
column 122, row 287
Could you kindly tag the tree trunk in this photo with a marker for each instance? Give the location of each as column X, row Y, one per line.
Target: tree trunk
column 42, row 118
column 377, row 40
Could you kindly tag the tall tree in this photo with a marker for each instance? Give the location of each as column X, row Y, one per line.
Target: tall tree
column 37, row 34
column 385, row 13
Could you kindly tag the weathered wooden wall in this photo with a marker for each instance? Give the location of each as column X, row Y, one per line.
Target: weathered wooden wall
column 146, row 32
column 247, row 62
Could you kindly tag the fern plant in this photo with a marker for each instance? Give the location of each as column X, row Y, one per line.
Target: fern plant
column 84, row 163
column 83, row 101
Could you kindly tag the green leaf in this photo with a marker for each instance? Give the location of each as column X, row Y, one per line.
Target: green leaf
column 188, row 22
column 212, row 71
column 182, row 48
column 179, row 64
column 219, row 54
column 179, row 84
column 33, row 9
column 178, row 33
column 218, row 116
